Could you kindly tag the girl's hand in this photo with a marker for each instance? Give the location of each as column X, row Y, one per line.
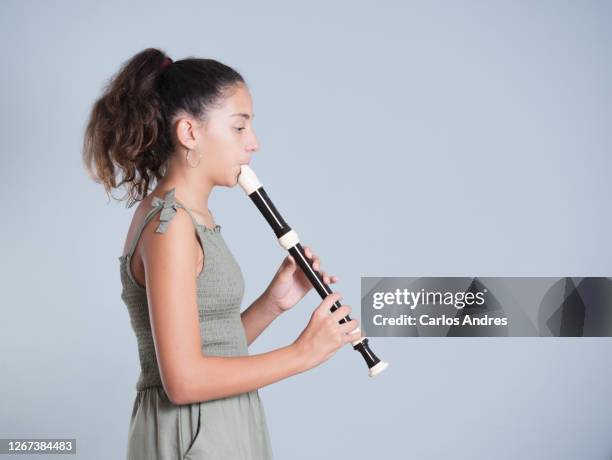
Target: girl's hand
column 324, row 335
column 290, row 284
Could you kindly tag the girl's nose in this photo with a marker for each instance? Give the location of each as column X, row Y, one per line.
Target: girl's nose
column 253, row 146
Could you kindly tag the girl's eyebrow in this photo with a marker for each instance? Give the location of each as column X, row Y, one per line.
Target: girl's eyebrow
column 244, row 115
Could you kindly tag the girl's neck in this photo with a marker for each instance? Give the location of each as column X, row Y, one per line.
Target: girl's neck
column 190, row 194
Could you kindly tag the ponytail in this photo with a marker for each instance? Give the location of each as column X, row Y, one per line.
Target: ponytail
column 129, row 128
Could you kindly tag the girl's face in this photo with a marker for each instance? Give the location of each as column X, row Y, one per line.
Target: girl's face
column 226, row 139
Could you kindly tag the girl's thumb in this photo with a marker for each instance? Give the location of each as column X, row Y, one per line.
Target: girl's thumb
column 290, row 264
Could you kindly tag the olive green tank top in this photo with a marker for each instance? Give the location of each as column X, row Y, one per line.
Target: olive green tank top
column 220, row 290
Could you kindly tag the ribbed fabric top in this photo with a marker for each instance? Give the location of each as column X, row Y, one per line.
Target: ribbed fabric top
column 220, row 290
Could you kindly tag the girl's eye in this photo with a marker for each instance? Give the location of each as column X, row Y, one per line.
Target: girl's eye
column 240, row 129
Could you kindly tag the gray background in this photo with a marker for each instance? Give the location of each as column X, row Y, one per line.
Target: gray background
column 413, row 139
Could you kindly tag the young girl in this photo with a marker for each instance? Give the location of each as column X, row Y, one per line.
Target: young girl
column 186, row 127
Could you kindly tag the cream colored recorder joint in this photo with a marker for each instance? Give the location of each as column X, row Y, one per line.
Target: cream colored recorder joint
column 355, row 342
column 289, row 239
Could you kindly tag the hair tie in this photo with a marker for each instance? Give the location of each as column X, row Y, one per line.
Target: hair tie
column 166, row 63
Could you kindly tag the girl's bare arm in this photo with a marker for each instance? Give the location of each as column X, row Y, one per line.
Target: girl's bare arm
column 170, row 261
column 258, row 316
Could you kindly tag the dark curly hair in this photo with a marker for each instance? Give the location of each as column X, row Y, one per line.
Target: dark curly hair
column 130, row 124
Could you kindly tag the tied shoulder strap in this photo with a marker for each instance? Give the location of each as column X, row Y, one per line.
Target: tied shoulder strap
column 168, row 210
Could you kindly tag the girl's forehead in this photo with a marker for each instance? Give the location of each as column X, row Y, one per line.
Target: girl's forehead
column 239, row 100
column 237, row 104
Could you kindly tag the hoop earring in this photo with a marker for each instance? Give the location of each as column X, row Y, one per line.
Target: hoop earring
column 187, row 158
